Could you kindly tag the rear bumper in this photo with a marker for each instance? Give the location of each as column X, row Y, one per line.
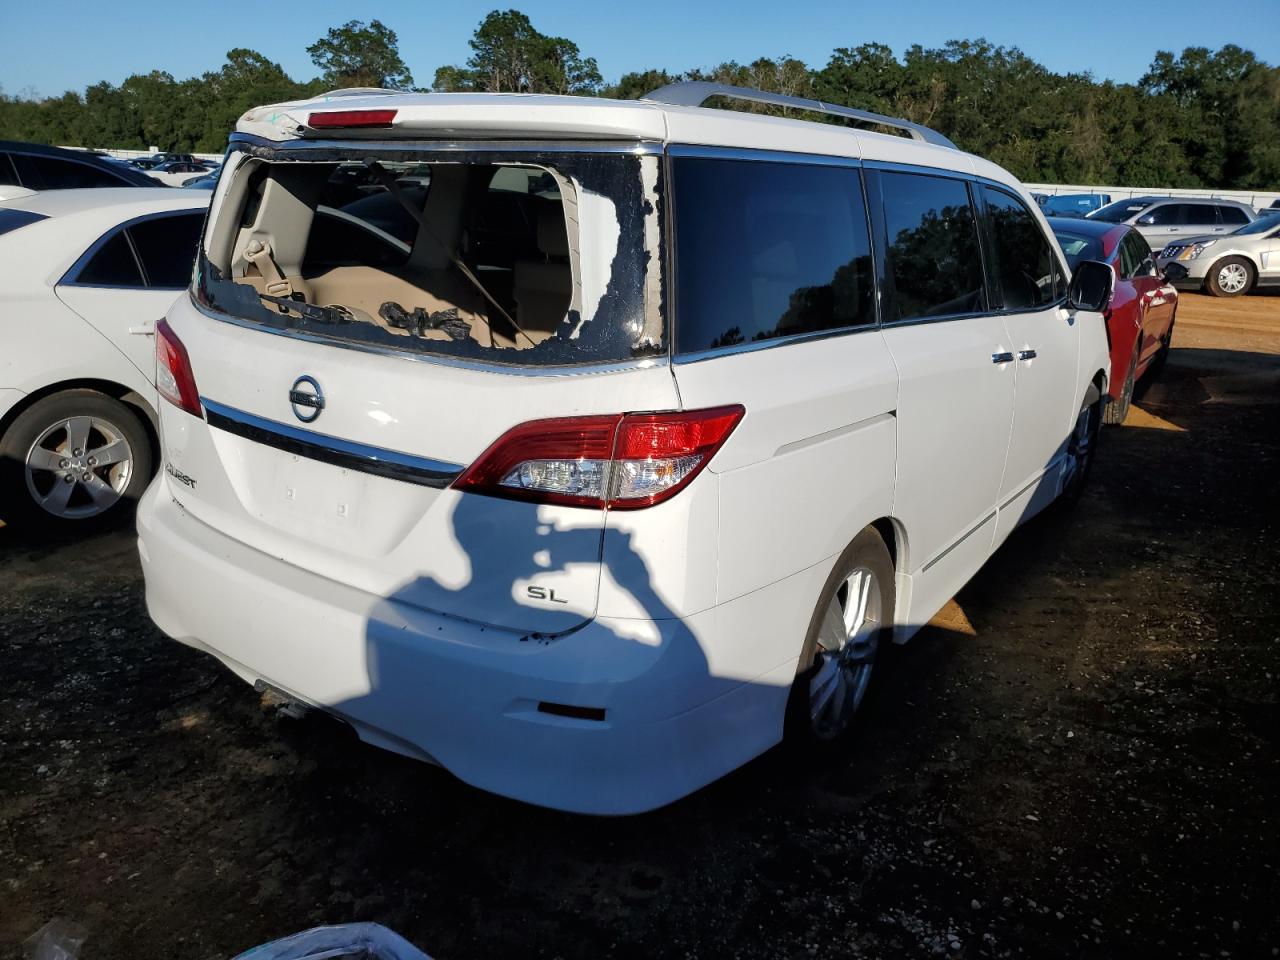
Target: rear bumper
column 462, row 695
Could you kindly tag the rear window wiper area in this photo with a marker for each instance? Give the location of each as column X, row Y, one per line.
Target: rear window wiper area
column 329, row 313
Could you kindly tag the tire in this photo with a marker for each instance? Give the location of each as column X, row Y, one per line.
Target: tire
column 1116, row 411
column 1081, row 448
column 46, row 485
column 1230, row 277
column 849, row 632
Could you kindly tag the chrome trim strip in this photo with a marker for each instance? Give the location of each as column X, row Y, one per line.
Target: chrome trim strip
column 510, row 370
column 837, row 432
column 515, row 145
column 708, row 152
column 343, row 453
column 942, row 556
column 750, row 347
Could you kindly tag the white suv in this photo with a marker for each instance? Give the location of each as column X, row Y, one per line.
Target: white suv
column 602, row 440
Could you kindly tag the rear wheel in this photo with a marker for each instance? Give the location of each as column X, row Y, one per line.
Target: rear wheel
column 1118, row 409
column 847, row 634
column 1230, row 277
column 1081, row 447
column 72, row 459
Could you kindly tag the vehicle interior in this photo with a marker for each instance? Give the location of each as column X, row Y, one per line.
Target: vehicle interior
column 438, row 251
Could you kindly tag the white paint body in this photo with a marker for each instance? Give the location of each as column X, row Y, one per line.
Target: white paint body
column 56, row 334
column 404, row 609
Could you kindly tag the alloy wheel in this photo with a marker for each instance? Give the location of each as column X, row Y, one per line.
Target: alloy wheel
column 79, row 467
column 847, row 644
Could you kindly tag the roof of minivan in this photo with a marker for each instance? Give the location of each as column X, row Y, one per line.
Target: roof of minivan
column 547, row 117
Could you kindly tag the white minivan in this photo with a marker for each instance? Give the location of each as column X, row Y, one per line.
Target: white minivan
column 602, row 441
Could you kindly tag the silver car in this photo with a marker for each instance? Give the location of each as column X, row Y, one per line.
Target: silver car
column 1227, row 265
column 1162, row 220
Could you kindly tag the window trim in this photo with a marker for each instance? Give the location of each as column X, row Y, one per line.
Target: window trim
column 71, row 278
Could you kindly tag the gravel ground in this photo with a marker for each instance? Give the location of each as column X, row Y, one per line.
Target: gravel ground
column 1078, row 758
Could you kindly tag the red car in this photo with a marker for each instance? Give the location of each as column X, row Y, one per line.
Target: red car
column 1140, row 319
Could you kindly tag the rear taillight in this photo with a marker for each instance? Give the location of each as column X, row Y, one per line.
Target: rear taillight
column 351, row 118
column 174, row 379
column 619, row 461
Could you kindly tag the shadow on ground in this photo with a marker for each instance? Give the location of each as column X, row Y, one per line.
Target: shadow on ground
column 1082, row 763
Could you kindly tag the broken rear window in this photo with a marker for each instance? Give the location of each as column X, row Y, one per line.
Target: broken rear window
column 514, row 257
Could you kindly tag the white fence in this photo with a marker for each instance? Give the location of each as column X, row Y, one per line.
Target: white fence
column 1255, row 198
column 131, row 154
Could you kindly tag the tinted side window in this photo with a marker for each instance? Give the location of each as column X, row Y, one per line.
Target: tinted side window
column 1199, row 214
column 55, row 174
column 1141, row 250
column 1168, row 214
column 114, row 265
column 1126, row 260
column 1232, row 215
column 8, row 175
column 933, row 263
column 766, row 250
column 1020, row 253
column 167, row 248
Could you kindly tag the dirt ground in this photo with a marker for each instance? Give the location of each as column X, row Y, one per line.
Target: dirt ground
column 1079, row 759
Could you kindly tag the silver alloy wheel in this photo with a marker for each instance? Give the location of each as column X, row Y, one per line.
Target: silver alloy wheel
column 1233, row 278
column 846, row 654
column 79, row 467
column 1079, row 446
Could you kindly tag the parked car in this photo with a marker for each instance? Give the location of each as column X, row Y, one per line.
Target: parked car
column 146, row 163
column 1074, row 204
column 593, row 489
column 202, row 181
column 84, row 275
column 1143, row 307
column 176, row 172
column 173, row 158
column 1164, row 219
column 29, row 167
column 1231, row 264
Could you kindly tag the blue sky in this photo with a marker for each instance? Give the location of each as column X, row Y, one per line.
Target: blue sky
column 50, row 46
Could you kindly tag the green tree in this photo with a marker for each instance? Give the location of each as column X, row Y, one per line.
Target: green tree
column 357, row 54
column 510, row 55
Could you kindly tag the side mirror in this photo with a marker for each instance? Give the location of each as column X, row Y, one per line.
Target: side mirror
column 1148, row 220
column 1092, row 284
column 1173, row 272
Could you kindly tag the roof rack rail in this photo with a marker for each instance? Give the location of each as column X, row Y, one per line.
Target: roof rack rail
column 694, row 93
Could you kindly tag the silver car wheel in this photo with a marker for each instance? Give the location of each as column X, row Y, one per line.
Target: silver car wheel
column 846, row 654
column 79, row 467
column 1233, row 278
column 1079, row 446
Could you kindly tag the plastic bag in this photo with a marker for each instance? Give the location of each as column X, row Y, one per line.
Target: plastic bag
column 346, row 941
column 59, row 939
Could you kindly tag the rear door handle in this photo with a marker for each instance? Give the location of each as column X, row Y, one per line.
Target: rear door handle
column 1026, row 354
column 1003, row 357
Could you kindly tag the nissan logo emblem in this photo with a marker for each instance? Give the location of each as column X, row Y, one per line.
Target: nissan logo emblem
column 306, row 398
